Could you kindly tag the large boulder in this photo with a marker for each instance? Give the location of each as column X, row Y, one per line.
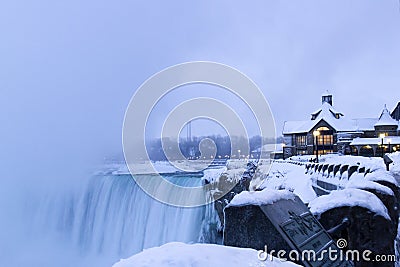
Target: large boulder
column 277, row 220
column 236, row 186
column 370, row 226
column 384, row 191
column 246, row 225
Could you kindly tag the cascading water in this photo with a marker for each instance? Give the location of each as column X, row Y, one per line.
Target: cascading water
column 113, row 218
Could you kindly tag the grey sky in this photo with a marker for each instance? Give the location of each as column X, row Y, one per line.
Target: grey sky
column 69, row 68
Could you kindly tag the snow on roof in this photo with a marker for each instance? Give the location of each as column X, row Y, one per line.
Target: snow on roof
column 264, row 197
column 365, row 141
column 385, row 119
column 269, row 148
column 182, row 255
column 295, row 127
column 365, row 124
column 349, row 197
column 395, row 113
column 326, row 110
column 358, row 181
column 335, row 112
column 341, row 124
column 328, row 114
column 393, row 140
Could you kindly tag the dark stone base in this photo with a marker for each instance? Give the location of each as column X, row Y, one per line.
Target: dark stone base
column 367, row 231
column 248, row 227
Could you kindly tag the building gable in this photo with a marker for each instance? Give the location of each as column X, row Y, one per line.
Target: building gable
column 396, row 112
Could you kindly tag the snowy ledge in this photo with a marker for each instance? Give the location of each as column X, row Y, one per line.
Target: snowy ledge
column 264, row 197
column 348, row 198
column 359, row 182
column 381, row 176
column 184, row 255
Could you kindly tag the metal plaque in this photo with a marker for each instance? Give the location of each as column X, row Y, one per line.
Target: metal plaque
column 303, row 232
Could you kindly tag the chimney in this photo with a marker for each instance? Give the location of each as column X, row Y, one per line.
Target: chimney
column 327, row 97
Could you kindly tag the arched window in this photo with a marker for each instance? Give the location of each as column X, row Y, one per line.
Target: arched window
column 325, row 136
column 323, row 128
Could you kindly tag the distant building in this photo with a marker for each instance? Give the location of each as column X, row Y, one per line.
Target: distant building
column 329, row 131
column 396, row 112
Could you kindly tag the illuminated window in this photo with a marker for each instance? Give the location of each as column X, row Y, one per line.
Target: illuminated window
column 325, row 151
column 325, row 136
column 301, row 140
column 323, row 128
column 325, row 140
column 302, row 152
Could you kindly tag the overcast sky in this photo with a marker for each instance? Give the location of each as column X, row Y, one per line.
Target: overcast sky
column 69, row 68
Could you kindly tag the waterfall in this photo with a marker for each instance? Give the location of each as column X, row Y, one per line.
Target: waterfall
column 112, row 218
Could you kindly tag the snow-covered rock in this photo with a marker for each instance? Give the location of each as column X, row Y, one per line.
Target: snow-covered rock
column 348, row 198
column 395, row 166
column 264, row 197
column 358, row 181
column 381, row 175
column 183, row 255
column 213, row 175
column 282, row 174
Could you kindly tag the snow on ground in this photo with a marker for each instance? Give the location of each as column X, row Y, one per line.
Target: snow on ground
column 372, row 163
column 198, row 255
column 232, row 172
column 264, row 197
column 236, row 164
column 150, row 167
column 348, row 198
column 282, row 174
column 212, row 175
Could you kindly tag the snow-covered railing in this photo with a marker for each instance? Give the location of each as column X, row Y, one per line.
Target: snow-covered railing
column 294, row 162
column 339, row 171
column 333, row 173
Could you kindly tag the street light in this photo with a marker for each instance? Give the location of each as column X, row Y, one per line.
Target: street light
column 316, row 133
column 389, row 140
column 382, row 135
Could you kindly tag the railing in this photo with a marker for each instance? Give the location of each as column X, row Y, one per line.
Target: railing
column 327, row 177
column 294, row 162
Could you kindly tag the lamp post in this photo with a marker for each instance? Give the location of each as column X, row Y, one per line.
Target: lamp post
column 389, row 140
column 382, row 136
column 283, row 151
column 316, row 133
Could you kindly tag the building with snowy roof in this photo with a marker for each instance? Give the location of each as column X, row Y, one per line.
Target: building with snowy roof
column 329, row 131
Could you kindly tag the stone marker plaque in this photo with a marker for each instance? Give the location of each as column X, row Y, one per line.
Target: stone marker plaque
column 303, row 232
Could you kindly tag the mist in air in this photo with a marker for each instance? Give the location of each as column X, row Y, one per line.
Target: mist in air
column 68, row 70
